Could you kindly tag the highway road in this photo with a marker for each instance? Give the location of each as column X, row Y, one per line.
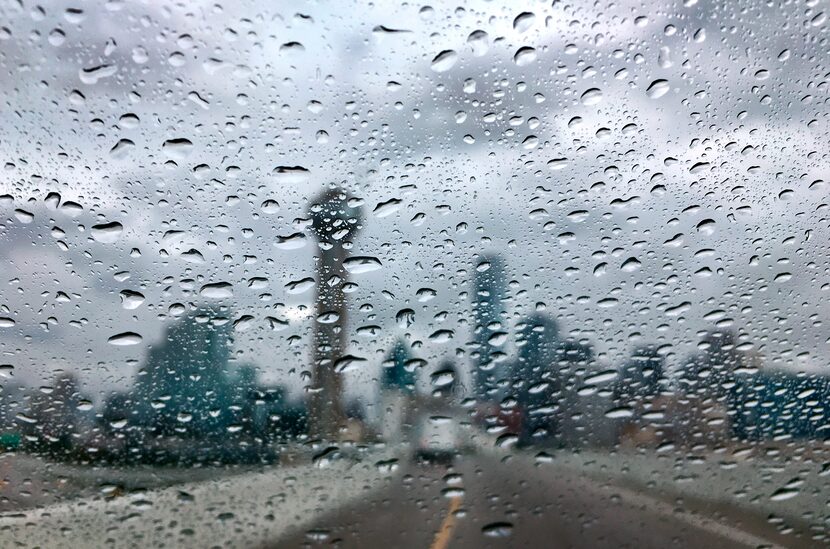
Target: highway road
column 490, row 501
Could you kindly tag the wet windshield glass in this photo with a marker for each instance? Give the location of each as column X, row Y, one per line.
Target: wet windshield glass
column 395, row 274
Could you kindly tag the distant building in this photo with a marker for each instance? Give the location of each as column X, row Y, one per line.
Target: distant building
column 397, row 393
column 183, row 389
column 710, row 373
column 583, row 413
column 13, row 400
column 769, row 405
column 489, row 292
column 535, row 378
column 398, row 373
column 444, row 381
column 55, row 420
column 638, row 399
column 705, row 391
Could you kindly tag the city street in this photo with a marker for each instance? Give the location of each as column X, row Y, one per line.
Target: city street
column 485, row 501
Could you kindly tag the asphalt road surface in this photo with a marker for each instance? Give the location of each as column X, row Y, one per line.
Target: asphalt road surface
column 487, row 501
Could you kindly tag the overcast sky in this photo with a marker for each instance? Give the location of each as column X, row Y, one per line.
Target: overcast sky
column 646, row 171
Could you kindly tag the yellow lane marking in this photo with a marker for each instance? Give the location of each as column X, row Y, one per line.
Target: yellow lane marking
column 442, row 538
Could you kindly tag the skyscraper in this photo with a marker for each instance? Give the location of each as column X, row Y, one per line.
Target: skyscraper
column 640, row 376
column 397, row 393
column 535, row 375
column 183, row 388
column 397, row 374
column 488, row 310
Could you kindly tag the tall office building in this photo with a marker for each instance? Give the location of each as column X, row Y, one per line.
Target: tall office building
column 183, row 388
column 535, row 377
column 489, row 291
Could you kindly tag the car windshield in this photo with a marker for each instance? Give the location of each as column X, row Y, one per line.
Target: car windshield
column 437, row 275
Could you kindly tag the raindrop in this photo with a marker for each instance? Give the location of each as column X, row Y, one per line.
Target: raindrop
column 217, row 290
column 557, row 163
column 93, row 74
column 292, row 47
column 699, row 167
column 243, row 323
column 293, row 241
column 444, row 61
column 57, row 37
column 783, row 494
column 107, row 233
column 658, row 89
column 405, row 318
column 707, row 226
column 178, row 148
column 296, row 287
column 276, row 324
column 524, row 21
column 130, row 299
column 442, row 378
column 324, row 459
column 497, row 530
column 619, row 412
column 631, row 264
column 507, row 440
column 23, row 216
column 441, row 336
column 524, row 56
column 122, row 148
column 425, row 294
column 125, row 339
column 52, row 200
column 328, row 317
column 601, row 377
column 362, row 264
column 384, row 209
column 291, row 174
column 479, row 41
column 591, row 96
column 348, row 363
column 72, row 209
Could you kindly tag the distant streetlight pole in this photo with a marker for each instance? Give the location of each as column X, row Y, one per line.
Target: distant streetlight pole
column 334, row 223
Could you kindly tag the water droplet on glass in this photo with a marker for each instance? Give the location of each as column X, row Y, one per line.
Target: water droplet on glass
column 293, row 241
column 178, row 148
column 619, row 412
column 348, row 363
column 658, row 89
column 125, row 339
column 444, row 61
column 479, row 41
column 362, row 264
column 291, row 174
column 217, row 290
column 384, row 209
column 524, row 21
column 107, row 233
column 591, row 96
column 131, row 300
column 497, row 529
column 296, row 287
column 524, row 56
column 23, row 216
column 405, row 318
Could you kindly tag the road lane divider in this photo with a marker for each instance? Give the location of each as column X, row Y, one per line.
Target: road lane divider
column 442, row 538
